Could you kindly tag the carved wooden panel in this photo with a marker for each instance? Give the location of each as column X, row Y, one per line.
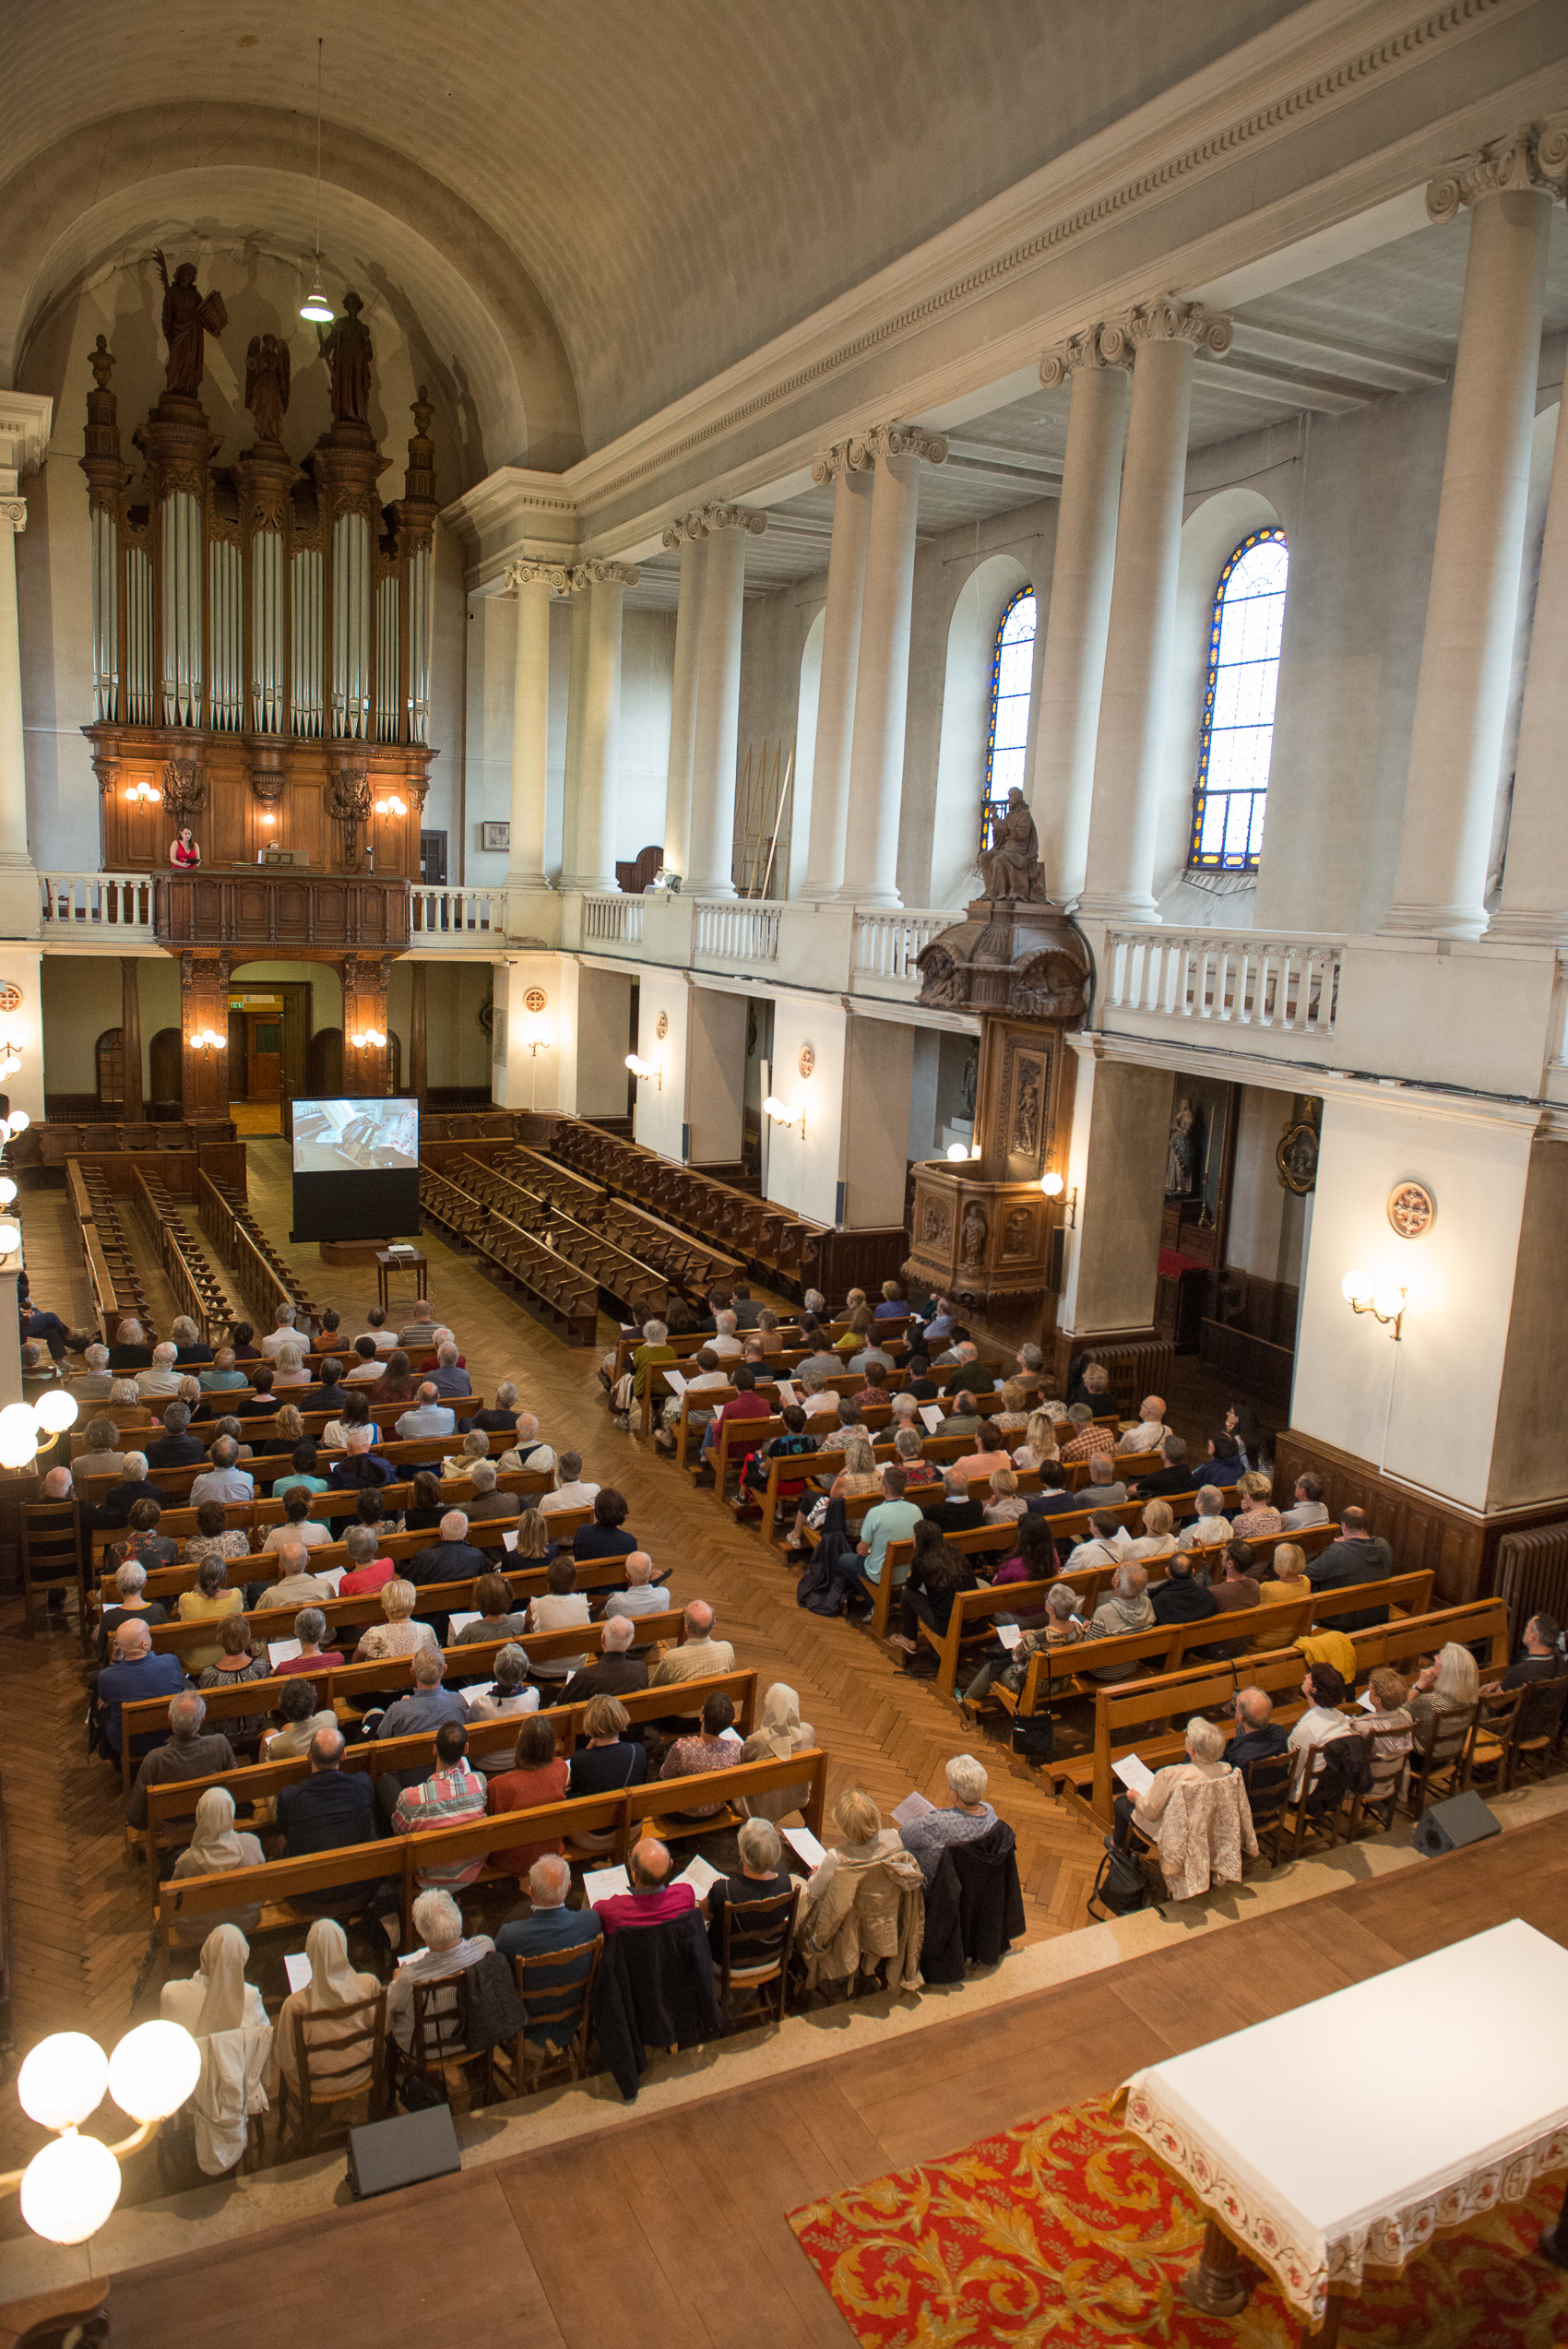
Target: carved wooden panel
column 316, row 917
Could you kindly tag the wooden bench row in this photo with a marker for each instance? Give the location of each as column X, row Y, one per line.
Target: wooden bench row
column 260, row 1272
column 247, row 1516
column 513, row 1258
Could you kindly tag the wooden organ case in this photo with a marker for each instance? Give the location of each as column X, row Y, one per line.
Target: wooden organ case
column 261, row 632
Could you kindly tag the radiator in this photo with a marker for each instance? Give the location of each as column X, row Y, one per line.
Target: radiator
column 1532, row 1576
column 1134, row 1371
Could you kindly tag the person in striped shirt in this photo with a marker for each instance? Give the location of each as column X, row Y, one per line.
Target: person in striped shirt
column 453, row 1797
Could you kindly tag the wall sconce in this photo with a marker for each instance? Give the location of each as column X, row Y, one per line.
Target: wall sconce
column 147, row 793
column 17, row 1122
column 1054, row 1188
column 69, row 2189
column 10, row 1060
column 1385, row 1302
column 782, row 1114
column 645, row 1071
column 28, row 1429
column 368, row 1039
column 207, row 1039
column 540, row 1041
column 392, row 806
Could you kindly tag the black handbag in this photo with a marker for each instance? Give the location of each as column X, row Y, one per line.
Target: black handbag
column 1120, row 1887
column 1034, row 1736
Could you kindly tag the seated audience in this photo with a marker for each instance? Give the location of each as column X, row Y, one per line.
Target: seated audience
column 1006, row 1503
column 968, row 1816
column 652, row 1899
column 1258, row 1738
column 642, row 1595
column 174, row 1447
column 910, row 1456
column 429, row 1416
column 129, row 1603
column 852, row 1907
column 262, row 1404
column 453, row 1795
column 214, row 1537
column 1211, row 1527
column 310, row 1629
column 192, row 1752
column 1448, row 1682
column 893, row 1519
column 428, row 1705
column 289, row 1371
column 333, row 1985
column 223, row 1373
column 1184, row 1596
column 611, row 1758
column 1539, row 1661
column 295, row 1587
column 1062, row 1626
column 1288, row 1577
column 452, row 1559
column 446, row 1376
column 538, row 1776
column 225, row 1480
column 1205, row 1761
column 1105, row 1543
column 497, row 1617
column 508, row 1698
column 931, row 1583
column 1127, row 1609
column 560, row 1608
column 1239, row 1587
column 161, row 1376
column 144, row 1541
column 1174, row 1473
column 1150, row 1431
column 210, row 1599
column 1256, row 1517
column 102, row 1456
column 1157, row 1540
column 958, row 1511
column 551, row 1929
column 1104, row 1488
column 298, row 1528
column 1389, row 1722
column 710, row 1749
column 235, row 1664
column 1225, row 1461
column 761, row 1876
column 700, row 1655
column 1325, row 1691
column 281, row 1334
column 607, row 1535
column 1038, row 1450
column 571, row 1492
column 1308, row 1509
column 487, row 1502
column 302, row 1476
column 398, row 1635
column 359, row 1467
column 780, row 1735
column 1358, row 1555
column 302, row 1717
column 447, row 1949
column 615, row 1671
column 98, row 1380
column 213, row 1850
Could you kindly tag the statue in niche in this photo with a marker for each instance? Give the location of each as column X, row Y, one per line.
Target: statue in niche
column 1181, row 1152
column 1026, row 1123
column 1010, row 867
column 934, row 1229
column 970, row 1081
column 346, row 347
column 972, row 1237
column 266, row 385
column 1016, row 1239
column 188, row 316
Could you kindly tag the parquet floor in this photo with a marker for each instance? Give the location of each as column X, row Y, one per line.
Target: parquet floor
column 79, row 1914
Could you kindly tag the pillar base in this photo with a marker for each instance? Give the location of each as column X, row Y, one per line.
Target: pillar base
column 584, row 884
column 1469, row 922
column 1521, row 929
column 700, row 888
column 1116, row 909
column 529, row 884
column 873, row 900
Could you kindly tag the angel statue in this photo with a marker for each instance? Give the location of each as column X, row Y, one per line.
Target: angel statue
column 1010, row 867
column 188, row 314
column 266, row 385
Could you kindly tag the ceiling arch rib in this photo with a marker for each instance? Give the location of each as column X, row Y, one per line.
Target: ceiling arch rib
column 461, row 297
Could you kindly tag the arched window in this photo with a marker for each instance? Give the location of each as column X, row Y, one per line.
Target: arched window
column 1238, row 734
column 1012, row 673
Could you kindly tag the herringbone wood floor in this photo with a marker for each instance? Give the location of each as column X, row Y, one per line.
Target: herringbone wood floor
column 78, row 1907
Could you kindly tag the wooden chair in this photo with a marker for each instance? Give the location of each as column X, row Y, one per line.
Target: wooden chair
column 565, row 2007
column 1315, row 1829
column 51, row 1554
column 353, row 2032
column 1381, row 1797
column 1539, row 1729
column 1440, row 1759
column 770, row 1924
column 435, row 2053
column 1267, row 1784
column 1526, row 1719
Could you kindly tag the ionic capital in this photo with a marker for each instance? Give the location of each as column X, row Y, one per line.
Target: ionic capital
column 531, row 572
column 1534, row 156
column 601, row 574
column 883, row 441
column 1165, row 320
column 14, row 515
column 703, row 523
column 1079, row 350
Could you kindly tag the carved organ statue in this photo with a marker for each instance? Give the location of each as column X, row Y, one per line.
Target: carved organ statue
column 261, row 632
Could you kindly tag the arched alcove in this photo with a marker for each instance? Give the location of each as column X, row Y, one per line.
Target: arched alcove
column 1209, row 537
column 805, row 754
column 966, row 702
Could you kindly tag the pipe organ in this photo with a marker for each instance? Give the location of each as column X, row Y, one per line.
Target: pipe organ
column 261, row 632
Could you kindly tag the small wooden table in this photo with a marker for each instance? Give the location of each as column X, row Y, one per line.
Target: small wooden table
column 387, row 1264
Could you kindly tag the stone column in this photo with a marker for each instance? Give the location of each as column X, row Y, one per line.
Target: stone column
column 1467, row 652
column 1062, row 784
column 881, row 670
column 576, row 710
column 534, row 584
column 419, row 1031
column 683, row 693
column 602, row 587
column 840, row 654
column 13, row 765
column 716, row 739
column 1535, row 875
column 1161, row 338
column 132, row 1100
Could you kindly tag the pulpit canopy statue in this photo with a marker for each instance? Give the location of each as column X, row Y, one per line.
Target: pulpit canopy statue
column 1010, row 867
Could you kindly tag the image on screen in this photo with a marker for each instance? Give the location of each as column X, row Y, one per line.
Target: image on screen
column 341, row 1137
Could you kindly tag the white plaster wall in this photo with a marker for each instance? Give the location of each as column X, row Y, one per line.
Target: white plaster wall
column 798, row 821
column 660, row 1110
column 875, row 1147
column 1267, row 1221
column 943, row 566
column 716, row 1074
column 1423, row 1409
column 648, row 669
column 804, row 1173
column 487, row 763
column 780, row 671
column 520, row 1079
column 79, row 997
column 55, row 611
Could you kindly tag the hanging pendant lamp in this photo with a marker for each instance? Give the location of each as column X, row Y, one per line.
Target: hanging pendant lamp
column 315, row 306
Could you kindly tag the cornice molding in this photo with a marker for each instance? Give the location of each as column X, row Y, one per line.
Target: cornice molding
column 25, row 421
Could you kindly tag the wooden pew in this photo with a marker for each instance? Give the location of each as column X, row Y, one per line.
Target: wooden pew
column 1409, row 1593
column 1125, row 1709
column 338, row 1683
column 256, row 1784
column 621, row 1815
column 266, row 1512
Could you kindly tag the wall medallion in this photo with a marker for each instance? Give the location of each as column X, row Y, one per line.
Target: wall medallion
column 535, row 1001
column 1412, row 1210
column 661, row 1025
column 807, row 1060
column 10, row 999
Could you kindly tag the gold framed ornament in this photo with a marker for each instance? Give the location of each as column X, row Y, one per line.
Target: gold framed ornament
column 1412, row 1210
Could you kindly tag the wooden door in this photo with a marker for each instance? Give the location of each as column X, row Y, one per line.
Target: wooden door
column 263, row 1048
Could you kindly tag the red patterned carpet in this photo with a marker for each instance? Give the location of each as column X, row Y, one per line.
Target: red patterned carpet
column 1066, row 2232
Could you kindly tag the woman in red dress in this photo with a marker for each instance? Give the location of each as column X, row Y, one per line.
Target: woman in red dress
column 183, row 850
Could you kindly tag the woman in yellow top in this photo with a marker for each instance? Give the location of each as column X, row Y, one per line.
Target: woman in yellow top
column 1290, row 1578
column 207, row 1603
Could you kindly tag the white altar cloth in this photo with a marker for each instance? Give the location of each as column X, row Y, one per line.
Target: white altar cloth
column 1347, row 2134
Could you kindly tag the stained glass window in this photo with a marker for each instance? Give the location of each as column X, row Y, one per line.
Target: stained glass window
column 1238, row 734
column 1012, row 673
